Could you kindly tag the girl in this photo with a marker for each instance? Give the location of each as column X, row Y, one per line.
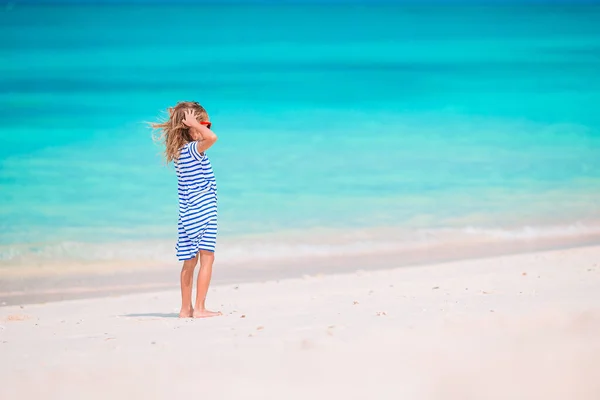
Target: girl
column 186, row 136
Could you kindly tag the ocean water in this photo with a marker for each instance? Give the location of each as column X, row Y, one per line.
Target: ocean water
column 357, row 126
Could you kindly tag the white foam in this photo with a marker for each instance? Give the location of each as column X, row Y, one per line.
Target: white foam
column 290, row 245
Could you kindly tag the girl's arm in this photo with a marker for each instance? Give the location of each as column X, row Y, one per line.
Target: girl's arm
column 206, row 138
column 203, row 136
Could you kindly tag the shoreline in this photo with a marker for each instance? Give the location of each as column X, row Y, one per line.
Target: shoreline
column 29, row 287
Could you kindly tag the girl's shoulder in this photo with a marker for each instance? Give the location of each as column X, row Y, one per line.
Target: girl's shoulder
column 187, row 148
column 190, row 150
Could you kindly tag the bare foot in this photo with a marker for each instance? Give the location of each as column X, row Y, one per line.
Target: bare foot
column 206, row 314
column 186, row 313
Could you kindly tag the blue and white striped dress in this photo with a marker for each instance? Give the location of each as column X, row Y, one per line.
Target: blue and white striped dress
column 197, row 188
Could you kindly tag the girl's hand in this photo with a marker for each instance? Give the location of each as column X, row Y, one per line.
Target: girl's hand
column 189, row 119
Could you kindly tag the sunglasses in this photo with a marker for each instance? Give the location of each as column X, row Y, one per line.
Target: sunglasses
column 208, row 124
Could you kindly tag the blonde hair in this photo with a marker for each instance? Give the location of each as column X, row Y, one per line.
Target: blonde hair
column 173, row 133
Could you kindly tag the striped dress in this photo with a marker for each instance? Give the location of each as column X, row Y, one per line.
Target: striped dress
column 197, row 189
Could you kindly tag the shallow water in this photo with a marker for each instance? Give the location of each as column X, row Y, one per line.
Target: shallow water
column 331, row 120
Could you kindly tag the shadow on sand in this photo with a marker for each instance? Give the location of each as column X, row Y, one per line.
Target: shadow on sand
column 152, row 315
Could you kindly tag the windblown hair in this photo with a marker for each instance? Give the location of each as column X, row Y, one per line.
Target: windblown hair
column 173, row 133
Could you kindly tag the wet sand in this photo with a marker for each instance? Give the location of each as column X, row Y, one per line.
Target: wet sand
column 21, row 285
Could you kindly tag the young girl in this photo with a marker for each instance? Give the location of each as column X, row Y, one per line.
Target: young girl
column 186, row 136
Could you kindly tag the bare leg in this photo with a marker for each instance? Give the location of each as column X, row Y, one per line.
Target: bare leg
column 187, row 280
column 206, row 262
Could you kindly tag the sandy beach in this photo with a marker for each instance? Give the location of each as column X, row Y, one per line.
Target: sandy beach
column 403, row 196
column 523, row 326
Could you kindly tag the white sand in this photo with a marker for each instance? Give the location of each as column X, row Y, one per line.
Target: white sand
column 514, row 327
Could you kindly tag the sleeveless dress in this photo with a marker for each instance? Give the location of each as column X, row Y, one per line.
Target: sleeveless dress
column 197, row 190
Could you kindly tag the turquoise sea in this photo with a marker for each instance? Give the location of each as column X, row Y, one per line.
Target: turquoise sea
column 341, row 127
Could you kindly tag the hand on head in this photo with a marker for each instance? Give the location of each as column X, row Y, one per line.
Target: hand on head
column 189, row 118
